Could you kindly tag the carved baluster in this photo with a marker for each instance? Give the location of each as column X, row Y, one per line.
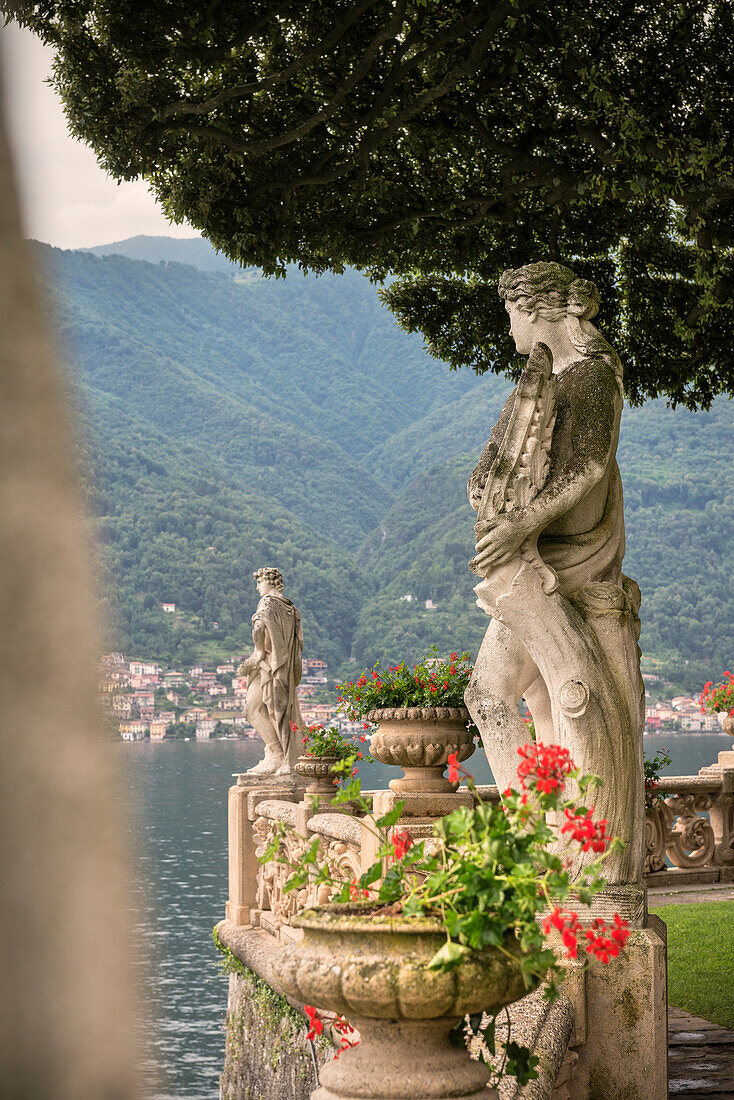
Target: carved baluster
column 692, row 841
column 656, row 837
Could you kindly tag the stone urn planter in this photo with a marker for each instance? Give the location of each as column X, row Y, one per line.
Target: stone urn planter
column 318, row 769
column 420, row 740
column 374, row 970
column 727, row 724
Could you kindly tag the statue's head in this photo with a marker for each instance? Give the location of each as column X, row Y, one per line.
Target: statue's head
column 268, row 580
column 550, row 292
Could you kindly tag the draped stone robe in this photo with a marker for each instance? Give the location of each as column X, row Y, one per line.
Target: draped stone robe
column 280, row 670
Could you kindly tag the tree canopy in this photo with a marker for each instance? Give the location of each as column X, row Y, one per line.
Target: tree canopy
column 433, row 143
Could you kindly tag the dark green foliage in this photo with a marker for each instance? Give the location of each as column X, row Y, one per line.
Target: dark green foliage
column 441, row 141
column 371, row 506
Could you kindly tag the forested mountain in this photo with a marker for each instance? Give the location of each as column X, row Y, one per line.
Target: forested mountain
column 233, row 421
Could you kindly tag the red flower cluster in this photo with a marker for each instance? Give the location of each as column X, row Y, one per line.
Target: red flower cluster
column 544, row 767
column 717, row 697
column 401, row 843
column 568, row 925
column 345, row 1031
column 588, row 833
column 355, row 893
column 604, row 941
column 316, row 1024
column 456, row 770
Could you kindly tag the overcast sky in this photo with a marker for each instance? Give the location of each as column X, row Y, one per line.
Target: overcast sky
column 67, row 199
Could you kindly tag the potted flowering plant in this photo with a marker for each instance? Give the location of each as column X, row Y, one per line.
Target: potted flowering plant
column 420, row 715
column 653, row 766
column 325, row 747
column 718, row 699
column 432, row 932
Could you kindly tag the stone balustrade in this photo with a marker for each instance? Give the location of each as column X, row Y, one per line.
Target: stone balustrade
column 689, row 838
column 689, row 832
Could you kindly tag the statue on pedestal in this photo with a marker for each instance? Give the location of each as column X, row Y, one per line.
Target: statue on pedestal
column 273, row 673
column 549, row 545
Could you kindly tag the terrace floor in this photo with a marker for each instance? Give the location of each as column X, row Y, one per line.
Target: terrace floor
column 700, row 1058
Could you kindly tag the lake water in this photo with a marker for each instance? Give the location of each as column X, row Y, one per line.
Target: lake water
column 177, row 799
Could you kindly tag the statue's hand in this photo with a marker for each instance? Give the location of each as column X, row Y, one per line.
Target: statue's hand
column 499, row 544
column 248, row 665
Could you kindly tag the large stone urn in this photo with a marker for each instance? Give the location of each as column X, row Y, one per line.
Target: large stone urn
column 374, row 970
column 420, row 740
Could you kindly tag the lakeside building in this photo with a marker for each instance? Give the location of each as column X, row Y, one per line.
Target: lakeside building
column 205, row 728
column 319, row 713
column 305, row 691
column 133, row 731
column 195, row 714
column 122, row 705
column 173, row 679
column 158, row 728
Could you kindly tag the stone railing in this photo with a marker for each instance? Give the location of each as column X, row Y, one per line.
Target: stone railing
column 342, row 837
column 689, row 832
column 690, row 837
column 257, row 811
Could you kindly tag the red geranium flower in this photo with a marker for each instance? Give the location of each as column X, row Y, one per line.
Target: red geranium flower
column 544, row 767
column 401, row 843
column 315, row 1021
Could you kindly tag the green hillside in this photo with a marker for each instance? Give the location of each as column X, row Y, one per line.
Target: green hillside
column 235, row 421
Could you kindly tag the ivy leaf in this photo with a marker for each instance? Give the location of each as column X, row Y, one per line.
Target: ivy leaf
column 520, row 1063
column 448, row 957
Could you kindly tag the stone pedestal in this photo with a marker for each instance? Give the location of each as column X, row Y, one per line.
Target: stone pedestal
column 621, row 1033
column 243, row 865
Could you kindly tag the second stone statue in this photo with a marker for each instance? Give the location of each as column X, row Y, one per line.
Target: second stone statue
column 273, row 674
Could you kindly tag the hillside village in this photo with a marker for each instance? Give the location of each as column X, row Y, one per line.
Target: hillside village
column 144, row 700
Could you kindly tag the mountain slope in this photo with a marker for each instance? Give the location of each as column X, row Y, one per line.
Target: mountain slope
column 172, row 526
column 291, row 421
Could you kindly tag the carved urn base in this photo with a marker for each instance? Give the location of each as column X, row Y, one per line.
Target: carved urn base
column 420, row 740
column 374, row 970
column 318, row 769
column 403, row 1060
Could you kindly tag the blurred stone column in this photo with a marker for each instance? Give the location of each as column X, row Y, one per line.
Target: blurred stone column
column 67, row 1007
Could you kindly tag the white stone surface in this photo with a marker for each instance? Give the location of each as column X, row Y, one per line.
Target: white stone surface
column 273, row 673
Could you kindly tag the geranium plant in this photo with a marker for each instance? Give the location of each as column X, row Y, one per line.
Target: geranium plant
column 433, row 682
column 318, row 740
column 653, row 766
column 492, row 872
column 718, row 697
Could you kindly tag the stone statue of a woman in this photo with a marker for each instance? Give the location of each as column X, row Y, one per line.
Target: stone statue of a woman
column 273, row 673
column 550, row 542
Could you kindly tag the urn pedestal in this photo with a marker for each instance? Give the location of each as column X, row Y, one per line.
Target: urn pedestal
column 420, row 740
column 318, row 771
column 375, row 971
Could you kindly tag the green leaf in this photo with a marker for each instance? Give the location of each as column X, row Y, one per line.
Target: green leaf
column 391, row 817
column 371, row 875
column 520, row 1063
column 449, row 956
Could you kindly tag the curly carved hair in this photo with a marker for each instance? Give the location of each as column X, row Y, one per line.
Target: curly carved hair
column 558, row 295
column 551, row 289
column 271, row 575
